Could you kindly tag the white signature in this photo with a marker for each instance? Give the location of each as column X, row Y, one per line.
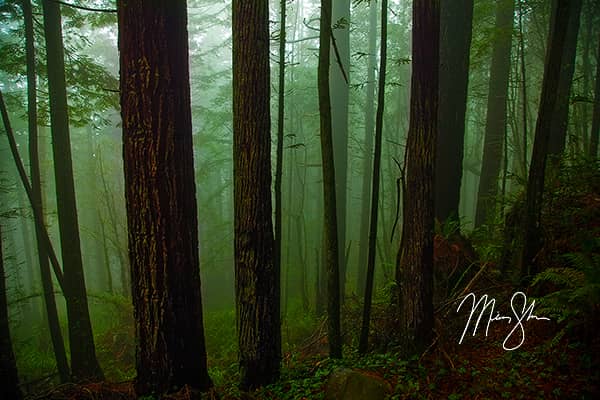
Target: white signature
column 525, row 314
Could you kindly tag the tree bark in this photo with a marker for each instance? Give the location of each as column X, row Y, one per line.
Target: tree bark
column 84, row 365
column 548, row 101
column 496, row 113
column 331, row 244
column 595, row 133
column 56, row 337
column 414, row 268
column 455, row 42
column 257, row 279
column 160, row 196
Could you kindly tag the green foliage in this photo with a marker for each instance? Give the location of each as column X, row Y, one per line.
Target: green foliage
column 576, row 290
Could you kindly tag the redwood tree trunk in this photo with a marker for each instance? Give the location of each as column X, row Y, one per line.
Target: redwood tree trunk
column 160, row 196
column 257, row 285
column 84, row 365
column 455, row 42
column 548, row 101
column 495, row 125
column 414, row 268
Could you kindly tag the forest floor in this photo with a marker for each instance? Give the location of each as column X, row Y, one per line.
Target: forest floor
column 558, row 359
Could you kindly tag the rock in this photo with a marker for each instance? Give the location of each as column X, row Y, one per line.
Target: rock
column 348, row 384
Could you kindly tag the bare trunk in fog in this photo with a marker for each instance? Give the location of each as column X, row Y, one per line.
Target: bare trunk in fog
column 548, row 101
column 495, row 125
column 84, row 365
column 455, row 42
column 331, row 244
column 56, row 336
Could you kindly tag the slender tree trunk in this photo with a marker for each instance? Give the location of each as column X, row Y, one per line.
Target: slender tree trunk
column 84, row 365
column 455, row 42
column 548, row 101
column 36, row 192
column 366, row 318
column 414, row 268
column 257, row 280
column 9, row 378
column 363, row 246
column 338, row 86
column 496, row 113
column 160, row 196
column 280, row 132
column 331, row 244
column 523, row 88
column 560, row 116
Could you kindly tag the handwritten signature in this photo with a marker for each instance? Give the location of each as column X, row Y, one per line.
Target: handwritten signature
column 525, row 314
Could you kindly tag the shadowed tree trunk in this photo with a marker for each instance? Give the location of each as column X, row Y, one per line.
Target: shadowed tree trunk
column 414, row 268
column 331, row 249
column 495, row 125
column 9, row 378
column 338, row 85
column 548, row 101
column 455, row 42
column 257, row 285
column 366, row 317
column 84, row 365
column 56, row 337
column 560, row 116
column 160, row 196
column 595, row 133
column 368, row 152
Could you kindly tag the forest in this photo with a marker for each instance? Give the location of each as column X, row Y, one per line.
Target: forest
column 299, row 199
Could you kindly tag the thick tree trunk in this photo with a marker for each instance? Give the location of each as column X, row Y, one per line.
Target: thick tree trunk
column 331, row 244
column 9, row 378
column 160, row 196
column 548, row 102
column 257, row 279
column 414, row 268
column 496, row 113
column 84, row 365
column 455, row 42
column 56, row 336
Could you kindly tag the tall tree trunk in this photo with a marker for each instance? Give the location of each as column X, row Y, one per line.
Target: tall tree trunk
column 560, row 116
column 455, row 42
column 496, row 112
column 160, row 196
column 525, row 113
column 366, row 317
column 280, row 132
column 363, row 246
column 257, row 279
column 339, row 72
column 595, row 133
column 84, row 365
column 414, row 268
column 331, row 244
column 9, row 378
column 548, row 101
column 56, row 336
